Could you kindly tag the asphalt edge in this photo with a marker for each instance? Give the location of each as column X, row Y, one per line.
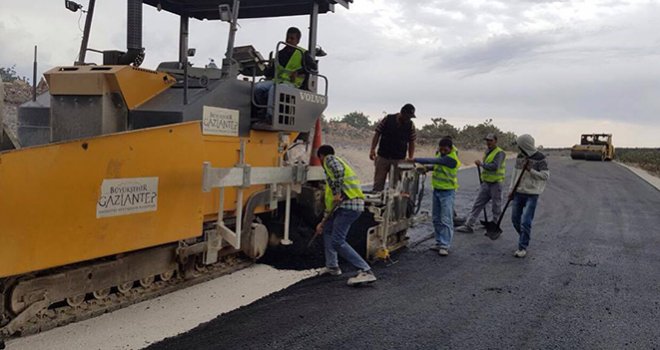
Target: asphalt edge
column 643, row 174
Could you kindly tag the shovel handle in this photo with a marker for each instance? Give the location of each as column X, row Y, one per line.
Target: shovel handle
column 499, row 221
column 323, row 221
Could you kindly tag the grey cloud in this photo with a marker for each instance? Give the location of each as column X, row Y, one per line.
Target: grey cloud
column 503, row 50
column 600, row 68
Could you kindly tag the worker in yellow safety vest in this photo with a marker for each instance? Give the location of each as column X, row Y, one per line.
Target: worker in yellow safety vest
column 344, row 203
column 492, row 179
column 445, row 183
column 290, row 67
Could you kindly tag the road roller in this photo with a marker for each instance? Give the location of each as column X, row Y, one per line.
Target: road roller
column 594, row 147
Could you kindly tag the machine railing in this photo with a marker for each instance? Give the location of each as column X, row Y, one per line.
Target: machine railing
column 275, row 62
column 243, row 176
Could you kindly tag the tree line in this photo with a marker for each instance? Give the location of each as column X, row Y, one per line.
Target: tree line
column 9, row 74
column 467, row 137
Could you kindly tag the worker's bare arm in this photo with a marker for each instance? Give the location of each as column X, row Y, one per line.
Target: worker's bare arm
column 374, row 143
column 411, row 149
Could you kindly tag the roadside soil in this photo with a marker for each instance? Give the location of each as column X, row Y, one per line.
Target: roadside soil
column 353, row 145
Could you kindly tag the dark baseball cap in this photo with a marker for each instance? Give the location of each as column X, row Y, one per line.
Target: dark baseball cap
column 408, row 109
column 491, row 136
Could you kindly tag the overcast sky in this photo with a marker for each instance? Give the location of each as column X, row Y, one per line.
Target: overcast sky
column 553, row 69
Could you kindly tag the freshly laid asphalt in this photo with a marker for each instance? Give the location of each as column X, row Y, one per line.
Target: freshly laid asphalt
column 591, row 280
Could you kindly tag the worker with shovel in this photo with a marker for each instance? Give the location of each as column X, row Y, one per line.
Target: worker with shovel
column 526, row 195
column 344, row 203
column 491, row 179
column 528, row 182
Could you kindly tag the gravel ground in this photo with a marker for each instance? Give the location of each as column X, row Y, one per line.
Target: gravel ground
column 590, row 281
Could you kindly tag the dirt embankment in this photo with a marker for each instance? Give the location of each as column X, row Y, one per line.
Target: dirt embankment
column 16, row 93
column 353, row 144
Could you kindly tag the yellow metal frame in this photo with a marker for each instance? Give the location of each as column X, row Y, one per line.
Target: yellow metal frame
column 137, row 85
column 49, row 193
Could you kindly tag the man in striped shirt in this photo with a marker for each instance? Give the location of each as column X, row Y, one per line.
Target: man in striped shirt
column 344, row 203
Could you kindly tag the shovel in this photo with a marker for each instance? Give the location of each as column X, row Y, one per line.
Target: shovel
column 323, row 221
column 493, row 230
column 484, row 222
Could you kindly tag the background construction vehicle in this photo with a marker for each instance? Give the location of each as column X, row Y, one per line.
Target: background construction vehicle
column 594, row 147
column 128, row 182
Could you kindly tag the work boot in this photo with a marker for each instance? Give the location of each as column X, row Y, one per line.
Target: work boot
column 520, row 253
column 332, row 271
column 443, row 251
column 465, row 229
column 363, row 277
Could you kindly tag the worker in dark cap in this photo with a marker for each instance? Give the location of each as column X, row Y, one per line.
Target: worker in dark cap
column 492, row 177
column 395, row 135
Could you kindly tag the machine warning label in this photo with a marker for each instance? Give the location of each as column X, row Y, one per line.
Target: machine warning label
column 220, row 121
column 127, row 196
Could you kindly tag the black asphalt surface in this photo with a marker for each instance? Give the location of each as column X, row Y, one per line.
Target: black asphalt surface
column 591, row 280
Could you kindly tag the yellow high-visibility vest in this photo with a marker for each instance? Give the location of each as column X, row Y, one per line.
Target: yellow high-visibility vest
column 494, row 176
column 351, row 186
column 283, row 74
column 444, row 177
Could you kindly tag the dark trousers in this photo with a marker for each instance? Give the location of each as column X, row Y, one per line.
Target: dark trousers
column 382, row 169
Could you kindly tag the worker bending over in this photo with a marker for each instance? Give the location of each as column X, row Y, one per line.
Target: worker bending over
column 344, row 203
column 445, row 183
column 492, row 178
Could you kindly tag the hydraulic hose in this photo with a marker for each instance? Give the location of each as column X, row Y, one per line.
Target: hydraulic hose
column 420, row 194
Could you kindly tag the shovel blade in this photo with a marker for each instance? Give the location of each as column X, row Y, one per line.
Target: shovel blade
column 493, row 231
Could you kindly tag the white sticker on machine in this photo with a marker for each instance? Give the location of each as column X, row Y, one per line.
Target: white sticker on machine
column 219, row 121
column 127, row 196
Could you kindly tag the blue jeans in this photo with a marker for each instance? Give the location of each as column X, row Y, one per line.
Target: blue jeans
column 443, row 217
column 335, row 231
column 524, row 206
column 263, row 95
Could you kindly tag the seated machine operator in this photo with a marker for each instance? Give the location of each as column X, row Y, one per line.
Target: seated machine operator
column 292, row 64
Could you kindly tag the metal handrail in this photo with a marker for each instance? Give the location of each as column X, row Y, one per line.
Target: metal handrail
column 276, row 62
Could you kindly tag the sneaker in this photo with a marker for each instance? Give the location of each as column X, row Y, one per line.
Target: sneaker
column 362, row 277
column 435, row 247
column 332, row 271
column 443, row 251
column 520, row 253
column 465, row 229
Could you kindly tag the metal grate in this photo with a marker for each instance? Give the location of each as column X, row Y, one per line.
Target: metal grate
column 287, row 109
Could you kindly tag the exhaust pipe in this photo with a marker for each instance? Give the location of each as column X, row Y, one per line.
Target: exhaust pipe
column 34, row 77
column 135, row 52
